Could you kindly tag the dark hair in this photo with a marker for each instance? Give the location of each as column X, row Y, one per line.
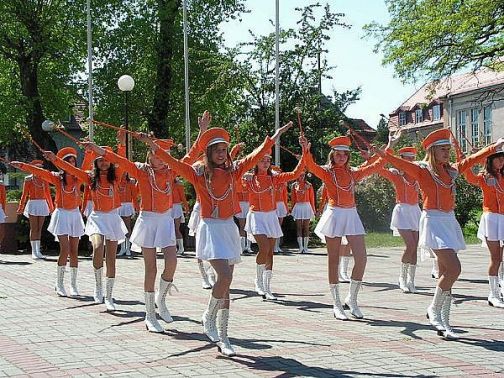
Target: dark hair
column 488, row 165
column 95, row 177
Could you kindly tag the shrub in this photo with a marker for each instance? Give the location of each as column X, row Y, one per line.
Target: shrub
column 375, row 199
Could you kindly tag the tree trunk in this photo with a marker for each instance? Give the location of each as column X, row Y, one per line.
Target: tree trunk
column 33, row 106
column 167, row 13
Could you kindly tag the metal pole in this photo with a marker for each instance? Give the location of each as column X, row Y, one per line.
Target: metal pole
column 186, row 80
column 90, row 70
column 126, row 126
column 277, row 83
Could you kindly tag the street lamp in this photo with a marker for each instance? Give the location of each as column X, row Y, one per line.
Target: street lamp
column 126, row 85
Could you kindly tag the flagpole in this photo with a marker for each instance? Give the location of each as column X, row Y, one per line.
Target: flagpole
column 90, row 70
column 186, row 80
column 277, row 83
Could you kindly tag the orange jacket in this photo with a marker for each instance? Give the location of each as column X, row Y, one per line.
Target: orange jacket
column 35, row 188
column 106, row 195
column 261, row 187
column 218, row 198
column 281, row 194
column 438, row 192
column 128, row 191
column 242, row 190
column 406, row 187
column 3, row 196
column 492, row 188
column 323, row 198
column 303, row 192
column 179, row 194
column 340, row 181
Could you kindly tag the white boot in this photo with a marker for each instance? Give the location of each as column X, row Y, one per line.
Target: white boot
column 210, row 317
column 248, row 246
column 109, row 301
column 259, row 283
column 300, row 244
column 98, row 291
column 339, row 312
column 448, row 333
column 494, row 298
column 60, row 287
column 211, row 275
column 267, row 275
column 243, row 243
column 305, row 244
column 122, row 251
column 435, row 269
column 164, row 288
column 180, row 245
column 351, row 299
column 205, row 284
column 223, row 344
column 37, row 250
column 151, row 323
column 343, row 269
column 501, row 280
column 127, row 244
column 73, row 282
column 403, row 276
column 434, row 310
column 410, row 282
column 277, row 242
column 34, row 250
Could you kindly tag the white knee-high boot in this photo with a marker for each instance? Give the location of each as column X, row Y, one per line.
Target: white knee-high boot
column 259, row 281
column 224, row 344
column 434, row 309
column 164, row 288
column 339, row 312
column 403, row 277
column 205, row 283
column 448, row 333
column 494, row 297
column 210, row 318
column 267, row 276
column 151, row 323
column 73, row 282
column 109, row 287
column 300, row 244
column 351, row 299
column 60, row 287
column 180, row 245
column 410, row 283
column 343, row 269
column 306, row 239
column 98, row 291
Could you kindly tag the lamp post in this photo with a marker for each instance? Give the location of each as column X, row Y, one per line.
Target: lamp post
column 126, row 85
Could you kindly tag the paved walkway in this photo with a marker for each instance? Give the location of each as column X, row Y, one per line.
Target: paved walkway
column 43, row 335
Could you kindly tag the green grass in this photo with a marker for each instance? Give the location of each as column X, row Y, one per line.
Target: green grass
column 385, row 239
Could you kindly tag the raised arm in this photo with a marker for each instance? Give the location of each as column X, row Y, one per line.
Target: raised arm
column 183, row 169
column 81, row 175
column 403, row 165
column 471, row 177
column 40, row 172
column 482, row 154
column 24, row 198
column 290, row 176
column 312, row 198
column 367, row 170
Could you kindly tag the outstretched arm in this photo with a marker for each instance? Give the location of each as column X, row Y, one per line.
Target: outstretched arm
column 67, row 167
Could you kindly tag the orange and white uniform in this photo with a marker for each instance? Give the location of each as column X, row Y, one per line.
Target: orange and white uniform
column 87, row 202
column 66, row 218
column 217, row 235
column 3, row 203
column 104, row 219
column 243, row 198
column 36, row 199
column 282, row 200
column 323, row 199
column 406, row 213
column 438, row 227
column 128, row 193
column 262, row 218
column 341, row 217
column 180, row 204
column 303, row 200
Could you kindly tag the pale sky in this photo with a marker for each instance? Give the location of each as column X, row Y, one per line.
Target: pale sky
column 358, row 66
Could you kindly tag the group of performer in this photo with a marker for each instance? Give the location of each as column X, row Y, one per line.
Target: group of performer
column 254, row 191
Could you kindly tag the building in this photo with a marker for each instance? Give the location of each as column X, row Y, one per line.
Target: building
column 471, row 104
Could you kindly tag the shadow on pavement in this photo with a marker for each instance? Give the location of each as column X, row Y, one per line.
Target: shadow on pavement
column 493, row 345
column 2, row 262
column 407, row 328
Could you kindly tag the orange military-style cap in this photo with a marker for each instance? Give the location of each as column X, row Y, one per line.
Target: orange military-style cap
column 67, row 152
column 437, row 138
column 408, row 151
column 164, row 144
column 213, row 136
column 340, row 143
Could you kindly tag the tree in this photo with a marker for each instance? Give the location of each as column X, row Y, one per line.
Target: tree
column 438, row 38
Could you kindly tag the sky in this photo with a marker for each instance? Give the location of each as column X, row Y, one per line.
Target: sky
column 358, row 66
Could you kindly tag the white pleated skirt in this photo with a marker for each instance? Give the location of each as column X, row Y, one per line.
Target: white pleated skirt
column 281, row 210
column 491, row 227
column 194, row 219
column 37, row 208
column 106, row 223
column 153, row 230
column 66, row 222
column 263, row 223
column 405, row 217
column 244, row 209
column 126, row 210
column 218, row 239
column 88, row 209
column 3, row 217
column 302, row 210
column 338, row 222
column 178, row 212
column 439, row 230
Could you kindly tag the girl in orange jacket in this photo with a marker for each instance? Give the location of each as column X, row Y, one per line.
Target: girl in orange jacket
column 66, row 221
column 262, row 224
column 36, row 203
column 282, row 199
column 104, row 226
column 303, row 210
column 341, row 218
column 128, row 192
column 217, row 237
column 439, row 230
column 491, row 226
column 180, row 206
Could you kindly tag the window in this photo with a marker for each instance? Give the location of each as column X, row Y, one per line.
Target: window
column 461, row 129
column 436, row 112
column 402, row 119
column 475, row 137
column 418, row 115
column 487, row 124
